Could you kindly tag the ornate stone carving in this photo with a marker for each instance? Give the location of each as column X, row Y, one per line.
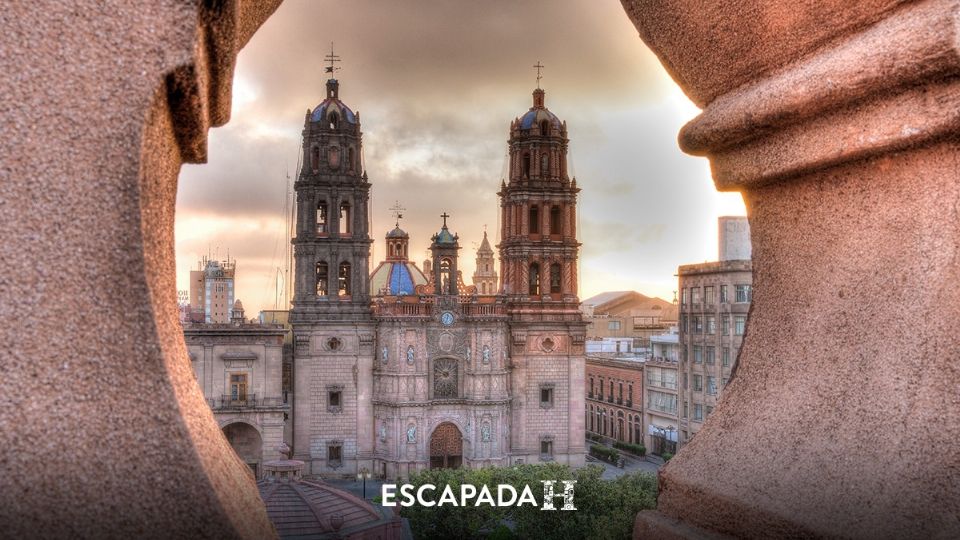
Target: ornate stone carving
column 445, row 372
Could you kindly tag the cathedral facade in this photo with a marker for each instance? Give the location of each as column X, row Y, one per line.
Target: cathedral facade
column 402, row 369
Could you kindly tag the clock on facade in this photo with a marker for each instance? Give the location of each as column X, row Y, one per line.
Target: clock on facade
column 446, row 318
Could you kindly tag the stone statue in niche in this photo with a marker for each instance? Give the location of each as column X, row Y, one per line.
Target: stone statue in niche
column 469, row 350
column 410, row 355
column 486, row 354
column 384, row 355
column 412, row 434
column 485, row 432
column 383, row 433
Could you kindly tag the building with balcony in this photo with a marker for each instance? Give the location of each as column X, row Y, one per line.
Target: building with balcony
column 614, row 392
column 627, row 314
column 239, row 369
column 714, row 303
column 661, row 406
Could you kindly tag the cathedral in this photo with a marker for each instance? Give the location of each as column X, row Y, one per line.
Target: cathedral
column 401, row 369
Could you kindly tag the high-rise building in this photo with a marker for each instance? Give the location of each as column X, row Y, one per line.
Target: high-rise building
column 714, row 303
column 212, row 290
column 485, row 275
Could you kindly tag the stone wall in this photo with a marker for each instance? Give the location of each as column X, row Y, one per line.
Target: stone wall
column 105, row 432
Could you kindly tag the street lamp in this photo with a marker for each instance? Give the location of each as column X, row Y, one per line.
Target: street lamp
column 364, row 474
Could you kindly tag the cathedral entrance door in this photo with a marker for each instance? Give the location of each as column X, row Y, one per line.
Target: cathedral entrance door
column 446, row 447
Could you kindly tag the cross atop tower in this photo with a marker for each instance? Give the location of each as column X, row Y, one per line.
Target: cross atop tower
column 331, row 59
column 444, row 216
column 539, row 66
column 397, row 212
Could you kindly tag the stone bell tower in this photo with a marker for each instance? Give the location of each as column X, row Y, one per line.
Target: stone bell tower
column 333, row 327
column 485, row 275
column 538, row 261
column 443, row 249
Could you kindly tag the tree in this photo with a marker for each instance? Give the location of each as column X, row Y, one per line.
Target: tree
column 605, row 508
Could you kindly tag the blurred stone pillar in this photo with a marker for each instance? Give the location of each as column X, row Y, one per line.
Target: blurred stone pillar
column 838, row 122
column 104, row 430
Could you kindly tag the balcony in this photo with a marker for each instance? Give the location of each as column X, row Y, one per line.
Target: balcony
column 250, row 401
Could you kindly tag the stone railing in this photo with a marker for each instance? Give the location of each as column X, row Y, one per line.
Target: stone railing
column 251, row 401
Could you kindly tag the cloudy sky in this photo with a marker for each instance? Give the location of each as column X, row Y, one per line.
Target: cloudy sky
column 437, row 83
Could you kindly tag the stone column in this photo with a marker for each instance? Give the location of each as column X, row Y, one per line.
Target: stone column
column 837, row 121
column 105, row 432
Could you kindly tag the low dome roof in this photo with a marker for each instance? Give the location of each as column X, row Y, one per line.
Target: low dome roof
column 332, row 104
column 444, row 237
column 397, row 232
column 308, row 509
column 396, row 278
column 535, row 115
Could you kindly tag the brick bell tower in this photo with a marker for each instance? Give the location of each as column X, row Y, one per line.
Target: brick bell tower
column 538, row 259
column 333, row 326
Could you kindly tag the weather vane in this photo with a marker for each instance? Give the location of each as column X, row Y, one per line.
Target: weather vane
column 332, row 59
column 397, row 212
column 539, row 66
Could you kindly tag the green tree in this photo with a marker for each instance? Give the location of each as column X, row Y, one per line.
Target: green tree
column 605, row 508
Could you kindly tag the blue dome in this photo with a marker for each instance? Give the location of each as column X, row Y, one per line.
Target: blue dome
column 396, row 278
column 332, row 104
column 536, row 115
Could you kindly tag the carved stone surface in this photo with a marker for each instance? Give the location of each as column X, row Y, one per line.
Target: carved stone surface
column 119, row 98
column 838, row 120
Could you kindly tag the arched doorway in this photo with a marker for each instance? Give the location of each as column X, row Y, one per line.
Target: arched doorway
column 246, row 442
column 446, row 447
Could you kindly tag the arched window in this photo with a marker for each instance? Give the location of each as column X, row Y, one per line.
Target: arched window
column 555, row 221
column 322, row 217
column 526, row 165
column 534, row 219
column 447, row 282
column 544, row 165
column 315, row 158
column 344, row 280
column 535, row 280
column 591, row 418
column 334, row 120
column 544, row 128
column 620, row 426
column 345, row 218
column 555, row 278
column 323, row 279
column 350, row 159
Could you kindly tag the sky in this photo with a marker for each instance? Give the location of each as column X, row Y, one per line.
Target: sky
column 437, row 83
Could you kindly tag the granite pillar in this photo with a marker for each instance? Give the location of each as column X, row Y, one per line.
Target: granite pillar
column 838, row 122
column 104, row 430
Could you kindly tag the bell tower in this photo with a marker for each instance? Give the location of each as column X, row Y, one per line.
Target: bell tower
column 485, row 275
column 538, row 263
column 538, row 244
column 333, row 325
column 332, row 242
column 444, row 252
